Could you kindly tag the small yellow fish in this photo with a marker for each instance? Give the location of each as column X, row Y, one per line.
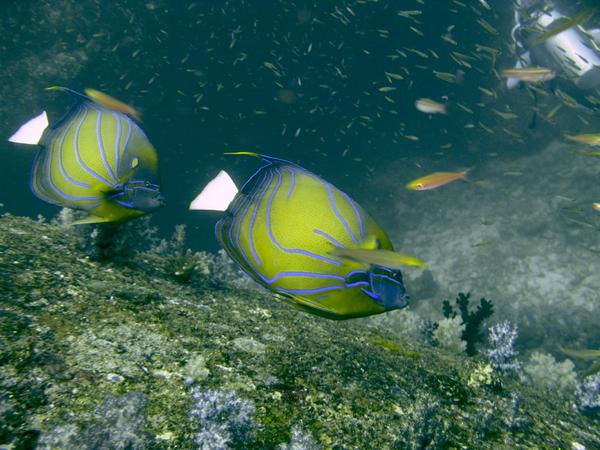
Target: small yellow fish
column 429, row 106
column 112, row 103
column 595, row 153
column 596, row 206
column 435, row 180
column 589, row 139
column 585, row 353
column 378, row 257
column 529, row 74
column 563, row 25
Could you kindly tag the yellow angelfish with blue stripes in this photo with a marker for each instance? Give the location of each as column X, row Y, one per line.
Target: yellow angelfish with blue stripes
column 299, row 236
column 95, row 158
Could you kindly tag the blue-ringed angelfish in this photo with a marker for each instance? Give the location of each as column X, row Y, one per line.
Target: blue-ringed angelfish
column 95, row 158
column 299, row 236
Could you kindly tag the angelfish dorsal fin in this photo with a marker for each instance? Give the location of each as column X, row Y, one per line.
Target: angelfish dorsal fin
column 217, row 194
column 112, row 103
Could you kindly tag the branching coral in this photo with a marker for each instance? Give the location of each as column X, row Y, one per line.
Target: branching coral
column 471, row 320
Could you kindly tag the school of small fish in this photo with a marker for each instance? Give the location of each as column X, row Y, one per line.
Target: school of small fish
column 338, row 263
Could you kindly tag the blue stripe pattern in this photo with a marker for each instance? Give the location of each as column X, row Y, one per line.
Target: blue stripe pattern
column 61, row 172
column 280, row 229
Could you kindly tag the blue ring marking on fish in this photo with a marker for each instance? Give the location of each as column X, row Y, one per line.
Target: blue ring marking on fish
column 339, row 216
column 371, row 294
column 358, row 216
column 143, row 182
column 250, row 202
column 238, row 203
column 127, row 139
column 357, row 283
column 217, row 231
column 101, row 145
column 253, row 218
column 385, row 277
column 293, row 174
column 60, row 160
column 233, row 250
column 117, row 141
column 78, row 156
column 358, row 271
column 329, row 238
column 310, row 291
column 125, row 204
column 290, row 250
column 303, row 274
column 144, row 188
column 249, row 180
column 60, row 193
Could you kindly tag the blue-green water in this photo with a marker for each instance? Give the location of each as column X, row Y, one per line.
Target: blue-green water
column 331, row 86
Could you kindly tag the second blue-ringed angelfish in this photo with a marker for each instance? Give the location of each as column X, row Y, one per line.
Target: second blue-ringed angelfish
column 95, row 158
column 301, row 237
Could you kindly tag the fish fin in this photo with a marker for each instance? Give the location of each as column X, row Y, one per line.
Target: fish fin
column 308, row 305
column 91, row 219
column 266, row 158
column 258, row 155
column 378, row 257
column 110, row 102
column 74, row 93
column 370, row 243
column 216, row 195
column 31, row 131
column 464, row 173
column 56, row 88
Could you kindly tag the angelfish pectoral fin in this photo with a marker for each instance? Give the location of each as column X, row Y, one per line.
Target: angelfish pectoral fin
column 91, row 219
column 379, row 257
column 217, row 194
column 31, row 131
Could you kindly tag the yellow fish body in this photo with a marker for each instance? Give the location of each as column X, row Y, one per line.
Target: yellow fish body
column 94, row 159
column 282, row 227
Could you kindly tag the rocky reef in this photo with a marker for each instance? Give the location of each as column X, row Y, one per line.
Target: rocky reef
column 130, row 354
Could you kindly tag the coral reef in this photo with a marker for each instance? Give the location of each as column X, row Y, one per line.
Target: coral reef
column 122, row 351
column 501, row 351
column 472, row 320
column 225, row 419
column 544, row 371
column 587, row 395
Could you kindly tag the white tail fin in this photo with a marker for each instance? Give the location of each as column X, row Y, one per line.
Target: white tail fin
column 217, row 195
column 31, row 131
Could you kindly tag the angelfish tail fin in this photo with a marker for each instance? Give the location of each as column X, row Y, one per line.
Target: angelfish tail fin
column 216, row 195
column 31, row 131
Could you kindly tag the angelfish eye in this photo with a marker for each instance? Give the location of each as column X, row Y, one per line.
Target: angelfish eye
column 134, row 163
column 419, row 185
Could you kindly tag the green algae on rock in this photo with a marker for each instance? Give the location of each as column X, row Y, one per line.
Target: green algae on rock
column 90, row 347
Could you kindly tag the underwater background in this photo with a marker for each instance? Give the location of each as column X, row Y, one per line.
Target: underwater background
column 127, row 339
